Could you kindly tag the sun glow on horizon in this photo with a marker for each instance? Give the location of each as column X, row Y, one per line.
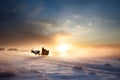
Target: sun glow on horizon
column 63, row 48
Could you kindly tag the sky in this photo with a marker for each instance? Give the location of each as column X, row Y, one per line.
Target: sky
column 31, row 23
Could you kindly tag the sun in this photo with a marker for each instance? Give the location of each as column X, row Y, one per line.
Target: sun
column 63, row 47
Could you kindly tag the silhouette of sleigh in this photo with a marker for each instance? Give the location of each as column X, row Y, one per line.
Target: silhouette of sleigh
column 43, row 53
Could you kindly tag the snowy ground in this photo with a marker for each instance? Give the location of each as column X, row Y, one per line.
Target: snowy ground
column 22, row 66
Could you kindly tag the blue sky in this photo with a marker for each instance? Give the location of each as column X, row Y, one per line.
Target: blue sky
column 73, row 21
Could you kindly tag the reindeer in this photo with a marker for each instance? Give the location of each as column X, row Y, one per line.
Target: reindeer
column 35, row 52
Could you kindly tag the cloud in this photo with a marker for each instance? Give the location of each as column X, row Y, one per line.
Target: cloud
column 36, row 11
column 47, row 27
column 76, row 16
column 18, row 29
column 90, row 24
column 2, row 49
column 30, row 32
column 12, row 49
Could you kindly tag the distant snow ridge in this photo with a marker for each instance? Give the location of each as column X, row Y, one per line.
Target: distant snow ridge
column 78, row 66
column 21, row 73
column 107, row 64
column 6, row 71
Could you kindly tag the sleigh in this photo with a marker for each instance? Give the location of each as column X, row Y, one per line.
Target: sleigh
column 45, row 52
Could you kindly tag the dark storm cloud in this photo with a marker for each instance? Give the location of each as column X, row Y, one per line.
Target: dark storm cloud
column 18, row 29
column 15, row 28
column 25, row 32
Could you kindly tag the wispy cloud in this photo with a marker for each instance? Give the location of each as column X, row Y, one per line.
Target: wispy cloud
column 36, row 11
